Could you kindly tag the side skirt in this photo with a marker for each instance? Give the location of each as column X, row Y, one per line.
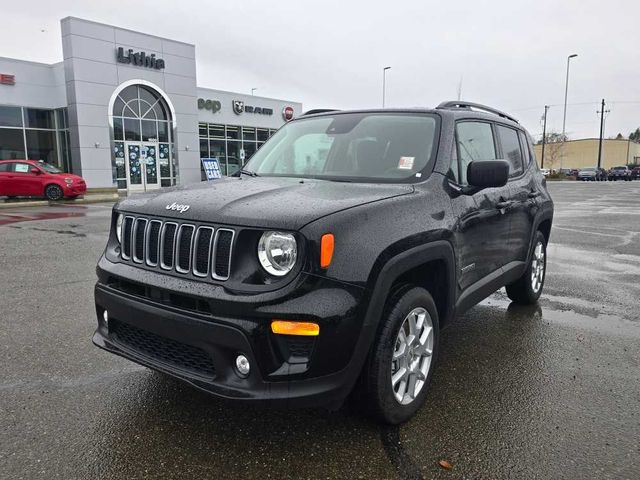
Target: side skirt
column 484, row 287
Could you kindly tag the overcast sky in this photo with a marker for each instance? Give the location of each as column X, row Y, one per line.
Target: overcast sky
column 508, row 54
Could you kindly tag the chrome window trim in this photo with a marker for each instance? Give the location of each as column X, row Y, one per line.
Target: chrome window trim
column 146, row 243
column 177, row 248
column 133, row 237
column 173, row 254
column 215, row 253
column 133, row 219
column 196, row 237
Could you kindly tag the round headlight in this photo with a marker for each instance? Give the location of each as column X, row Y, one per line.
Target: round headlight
column 119, row 227
column 277, row 252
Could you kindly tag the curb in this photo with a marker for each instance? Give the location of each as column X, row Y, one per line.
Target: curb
column 45, row 203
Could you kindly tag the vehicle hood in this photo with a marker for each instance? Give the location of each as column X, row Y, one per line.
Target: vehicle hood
column 279, row 203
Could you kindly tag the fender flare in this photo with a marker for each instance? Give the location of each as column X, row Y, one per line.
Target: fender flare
column 389, row 273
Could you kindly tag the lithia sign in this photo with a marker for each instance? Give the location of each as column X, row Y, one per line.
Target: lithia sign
column 139, row 59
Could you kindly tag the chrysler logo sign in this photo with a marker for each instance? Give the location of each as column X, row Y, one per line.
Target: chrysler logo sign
column 139, row 59
column 239, row 107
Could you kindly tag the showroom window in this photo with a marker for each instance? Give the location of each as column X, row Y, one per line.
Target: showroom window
column 36, row 134
column 143, row 144
column 227, row 142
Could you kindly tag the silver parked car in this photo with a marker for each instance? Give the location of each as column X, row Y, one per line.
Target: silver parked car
column 589, row 173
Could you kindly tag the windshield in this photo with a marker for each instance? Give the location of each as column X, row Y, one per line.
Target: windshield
column 49, row 168
column 589, row 169
column 368, row 147
column 619, row 168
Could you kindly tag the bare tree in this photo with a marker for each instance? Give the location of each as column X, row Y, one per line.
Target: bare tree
column 553, row 149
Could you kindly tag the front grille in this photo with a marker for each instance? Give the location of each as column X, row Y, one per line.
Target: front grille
column 158, row 348
column 186, row 249
column 138, row 240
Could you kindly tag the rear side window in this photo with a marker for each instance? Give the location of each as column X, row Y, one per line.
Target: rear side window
column 4, row 167
column 475, row 143
column 526, row 151
column 511, row 149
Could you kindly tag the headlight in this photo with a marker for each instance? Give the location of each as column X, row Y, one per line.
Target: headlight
column 119, row 227
column 68, row 181
column 277, row 252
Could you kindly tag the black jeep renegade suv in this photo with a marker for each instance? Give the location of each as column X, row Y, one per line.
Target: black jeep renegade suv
column 332, row 261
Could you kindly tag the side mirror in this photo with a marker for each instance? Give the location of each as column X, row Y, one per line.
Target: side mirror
column 488, row 173
column 35, row 170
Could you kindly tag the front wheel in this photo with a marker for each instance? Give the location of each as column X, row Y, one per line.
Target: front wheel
column 402, row 359
column 53, row 192
column 527, row 289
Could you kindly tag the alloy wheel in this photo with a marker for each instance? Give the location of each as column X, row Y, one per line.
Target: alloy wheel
column 412, row 355
column 537, row 267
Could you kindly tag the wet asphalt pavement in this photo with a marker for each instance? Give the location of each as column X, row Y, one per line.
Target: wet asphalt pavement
column 551, row 391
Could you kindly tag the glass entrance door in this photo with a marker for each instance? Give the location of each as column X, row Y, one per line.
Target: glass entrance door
column 142, row 166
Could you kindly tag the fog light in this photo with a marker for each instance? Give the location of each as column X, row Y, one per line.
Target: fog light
column 105, row 317
column 242, row 365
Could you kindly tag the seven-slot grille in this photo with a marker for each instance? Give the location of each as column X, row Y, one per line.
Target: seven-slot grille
column 184, row 248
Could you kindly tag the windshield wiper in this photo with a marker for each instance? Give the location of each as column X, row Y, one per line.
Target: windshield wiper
column 248, row 172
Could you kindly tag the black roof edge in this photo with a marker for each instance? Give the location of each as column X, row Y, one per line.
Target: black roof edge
column 459, row 104
column 319, row 110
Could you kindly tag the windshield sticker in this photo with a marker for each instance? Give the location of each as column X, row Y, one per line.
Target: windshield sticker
column 406, row 163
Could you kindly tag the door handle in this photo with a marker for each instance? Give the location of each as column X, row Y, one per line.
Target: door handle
column 533, row 194
column 505, row 204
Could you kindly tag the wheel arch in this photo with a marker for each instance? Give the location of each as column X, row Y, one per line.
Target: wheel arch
column 430, row 266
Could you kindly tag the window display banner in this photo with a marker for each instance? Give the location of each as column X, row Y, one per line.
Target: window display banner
column 211, row 168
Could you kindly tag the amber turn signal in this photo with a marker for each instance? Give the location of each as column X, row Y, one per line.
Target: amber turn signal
column 306, row 329
column 326, row 250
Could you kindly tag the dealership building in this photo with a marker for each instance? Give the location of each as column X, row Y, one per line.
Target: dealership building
column 123, row 109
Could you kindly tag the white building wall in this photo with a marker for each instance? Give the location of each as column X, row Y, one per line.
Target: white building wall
column 36, row 84
column 93, row 74
column 227, row 116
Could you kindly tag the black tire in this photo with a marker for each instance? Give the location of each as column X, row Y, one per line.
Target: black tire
column 53, row 192
column 523, row 291
column 377, row 375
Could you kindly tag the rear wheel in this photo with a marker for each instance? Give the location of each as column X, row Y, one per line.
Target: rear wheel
column 402, row 358
column 53, row 192
column 528, row 288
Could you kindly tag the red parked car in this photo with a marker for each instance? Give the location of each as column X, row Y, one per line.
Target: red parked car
column 31, row 178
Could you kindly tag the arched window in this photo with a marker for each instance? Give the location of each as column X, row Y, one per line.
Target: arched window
column 143, row 144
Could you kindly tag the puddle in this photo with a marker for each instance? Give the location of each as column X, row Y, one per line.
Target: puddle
column 8, row 218
column 598, row 322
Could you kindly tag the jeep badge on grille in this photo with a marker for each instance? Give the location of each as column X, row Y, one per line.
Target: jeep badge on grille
column 177, row 207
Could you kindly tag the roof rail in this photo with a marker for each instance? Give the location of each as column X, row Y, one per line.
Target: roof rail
column 453, row 104
column 319, row 110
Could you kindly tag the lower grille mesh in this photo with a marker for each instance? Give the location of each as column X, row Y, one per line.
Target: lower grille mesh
column 165, row 350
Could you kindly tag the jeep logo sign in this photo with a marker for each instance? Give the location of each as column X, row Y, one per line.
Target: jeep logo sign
column 213, row 105
column 177, row 207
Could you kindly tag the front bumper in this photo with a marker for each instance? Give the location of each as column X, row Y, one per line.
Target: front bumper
column 191, row 343
column 74, row 189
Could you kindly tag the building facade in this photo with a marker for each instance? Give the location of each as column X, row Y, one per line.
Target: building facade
column 584, row 153
column 123, row 109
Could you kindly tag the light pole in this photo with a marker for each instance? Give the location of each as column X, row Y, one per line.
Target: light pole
column 544, row 133
column 384, row 80
column 253, row 90
column 564, row 113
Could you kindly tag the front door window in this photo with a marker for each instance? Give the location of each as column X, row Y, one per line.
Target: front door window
column 142, row 166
